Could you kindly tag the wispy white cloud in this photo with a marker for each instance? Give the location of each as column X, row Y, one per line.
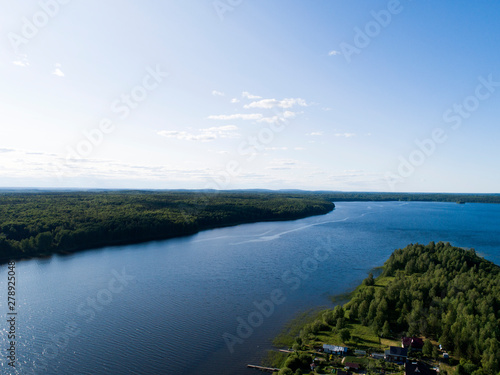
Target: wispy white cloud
column 203, row 135
column 246, row 94
column 57, row 71
column 334, row 53
column 224, row 130
column 22, row 61
column 270, row 120
column 282, row 164
column 183, row 135
column 299, row 148
column 315, row 134
column 237, row 116
column 272, row 103
column 275, row 119
column 45, row 169
column 235, row 100
column 346, row 135
column 217, row 93
column 276, row 148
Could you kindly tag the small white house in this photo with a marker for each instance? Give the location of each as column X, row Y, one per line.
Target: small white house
column 333, row 349
column 377, row 355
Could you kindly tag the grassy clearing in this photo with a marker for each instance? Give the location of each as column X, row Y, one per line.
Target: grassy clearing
column 287, row 336
column 389, row 342
column 362, row 338
column 384, row 281
column 447, row 367
column 274, row 359
column 361, row 360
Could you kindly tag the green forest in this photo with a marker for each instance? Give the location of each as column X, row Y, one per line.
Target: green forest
column 37, row 224
column 414, row 197
column 442, row 293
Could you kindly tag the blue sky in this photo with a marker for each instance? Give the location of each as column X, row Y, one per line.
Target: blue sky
column 331, row 95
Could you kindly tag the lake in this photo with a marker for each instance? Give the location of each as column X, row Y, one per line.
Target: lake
column 177, row 306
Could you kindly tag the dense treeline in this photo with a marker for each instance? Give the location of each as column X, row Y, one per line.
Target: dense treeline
column 34, row 224
column 440, row 292
column 415, row 197
column 349, row 196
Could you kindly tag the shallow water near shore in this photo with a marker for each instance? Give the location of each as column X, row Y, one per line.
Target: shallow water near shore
column 177, row 306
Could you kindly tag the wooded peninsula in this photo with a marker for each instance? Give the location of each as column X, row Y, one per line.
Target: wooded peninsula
column 440, row 302
column 37, row 223
column 40, row 224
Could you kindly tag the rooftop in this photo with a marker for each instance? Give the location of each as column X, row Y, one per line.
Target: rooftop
column 351, row 365
column 418, row 368
column 415, row 342
column 397, row 351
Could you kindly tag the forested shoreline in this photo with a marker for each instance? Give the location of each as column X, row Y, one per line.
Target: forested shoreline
column 410, row 197
column 438, row 292
column 40, row 224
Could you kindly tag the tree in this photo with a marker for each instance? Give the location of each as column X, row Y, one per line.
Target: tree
column 435, row 352
column 445, row 338
column 369, row 281
column 345, row 335
column 427, row 349
column 386, row 331
column 328, row 318
column 490, row 360
column 340, row 324
column 363, row 310
column 353, row 311
column 381, row 315
column 43, row 241
column 338, row 312
column 459, row 370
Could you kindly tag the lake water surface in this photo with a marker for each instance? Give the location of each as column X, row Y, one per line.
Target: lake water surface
column 165, row 307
